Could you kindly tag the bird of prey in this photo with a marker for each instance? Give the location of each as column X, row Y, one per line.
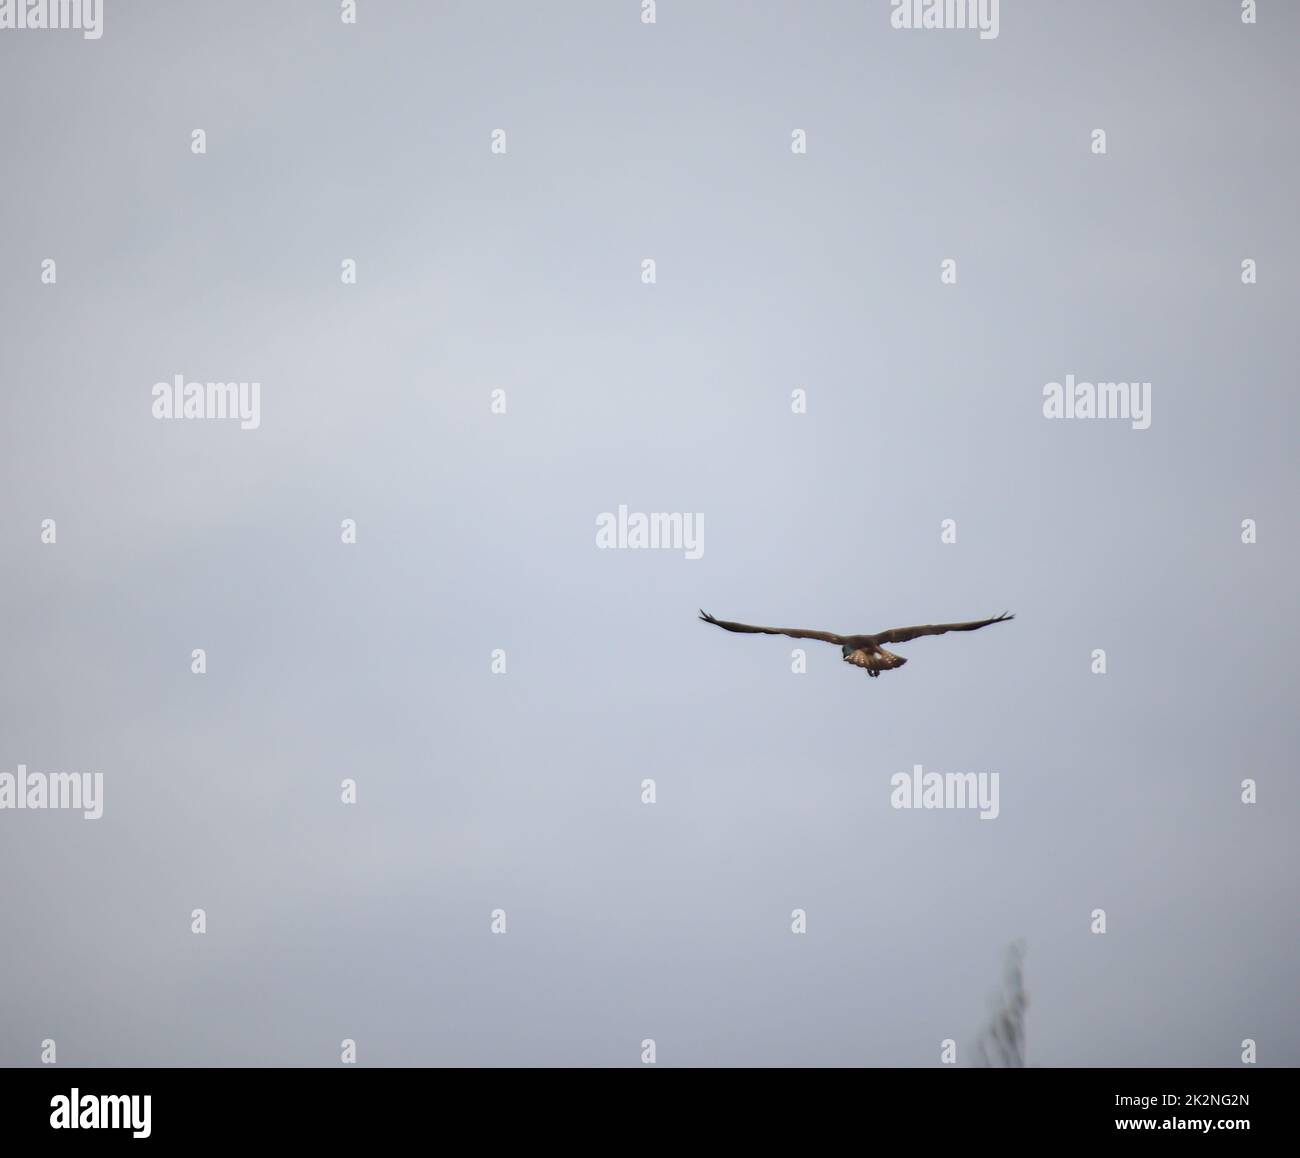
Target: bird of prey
column 862, row 650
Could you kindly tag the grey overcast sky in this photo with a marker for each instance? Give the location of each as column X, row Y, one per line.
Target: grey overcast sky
column 521, row 272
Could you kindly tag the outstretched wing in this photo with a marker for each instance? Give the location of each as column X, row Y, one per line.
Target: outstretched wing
column 794, row 632
column 903, row 634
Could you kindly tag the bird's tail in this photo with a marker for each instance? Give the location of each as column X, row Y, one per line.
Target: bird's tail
column 887, row 660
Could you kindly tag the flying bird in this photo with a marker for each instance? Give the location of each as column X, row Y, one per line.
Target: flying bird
column 862, row 650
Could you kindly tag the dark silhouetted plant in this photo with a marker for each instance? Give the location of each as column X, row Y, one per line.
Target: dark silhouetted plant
column 1001, row 1045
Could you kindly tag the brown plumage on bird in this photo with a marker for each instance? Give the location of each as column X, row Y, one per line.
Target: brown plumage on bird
column 862, row 650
